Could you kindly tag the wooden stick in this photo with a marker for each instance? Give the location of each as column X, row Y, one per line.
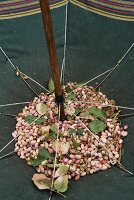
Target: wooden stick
column 47, row 21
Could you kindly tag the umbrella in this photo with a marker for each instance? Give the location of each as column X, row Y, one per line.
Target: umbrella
column 94, row 44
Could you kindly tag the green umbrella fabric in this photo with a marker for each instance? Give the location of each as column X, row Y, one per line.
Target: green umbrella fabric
column 98, row 34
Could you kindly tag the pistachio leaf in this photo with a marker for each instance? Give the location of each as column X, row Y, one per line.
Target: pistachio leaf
column 52, row 135
column 61, row 183
column 79, row 85
column 63, row 169
column 45, row 130
column 85, row 115
column 42, row 155
column 71, row 96
column 51, row 85
column 61, row 147
column 41, row 181
column 31, row 118
column 70, row 110
column 71, row 131
column 97, row 126
column 75, row 144
column 98, row 113
column 68, row 89
column 79, row 131
column 53, row 128
column 53, row 132
column 41, row 108
column 77, row 111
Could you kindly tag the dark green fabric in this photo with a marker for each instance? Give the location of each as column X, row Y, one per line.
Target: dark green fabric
column 94, row 44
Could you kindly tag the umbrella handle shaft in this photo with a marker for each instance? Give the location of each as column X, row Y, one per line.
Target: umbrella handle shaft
column 47, row 21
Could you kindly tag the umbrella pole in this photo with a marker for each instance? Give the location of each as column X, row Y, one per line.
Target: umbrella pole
column 47, row 21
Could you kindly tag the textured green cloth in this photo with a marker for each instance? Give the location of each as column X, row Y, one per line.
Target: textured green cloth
column 94, row 44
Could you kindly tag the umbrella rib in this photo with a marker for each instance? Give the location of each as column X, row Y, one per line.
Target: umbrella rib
column 55, row 158
column 19, row 134
column 62, row 76
column 6, row 155
column 105, row 148
column 109, row 105
column 116, row 66
column 22, row 72
column 110, row 70
column 14, row 104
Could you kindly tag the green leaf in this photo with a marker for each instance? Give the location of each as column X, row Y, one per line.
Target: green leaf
column 75, row 144
column 62, row 170
column 97, row 126
column 41, row 108
column 52, row 135
column 53, row 128
column 70, row 110
column 85, row 114
column 61, row 183
column 51, row 86
column 77, row 111
column 79, row 85
column 68, row 89
column 61, row 147
column 42, row 181
column 45, row 130
column 71, row 96
column 98, row 113
column 31, row 118
column 42, row 155
column 71, row 131
column 79, row 131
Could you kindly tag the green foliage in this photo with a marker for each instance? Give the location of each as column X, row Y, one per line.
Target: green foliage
column 41, row 108
column 71, row 96
column 68, row 89
column 98, row 113
column 36, row 120
column 42, row 181
column 62, row 170
column 61, row 183
column 77, row 111
column 71, row 131
column 75, row 144
column 51, row 86
column 42, row 155
column 79, row 131
column 53, row 128
column 97, row 126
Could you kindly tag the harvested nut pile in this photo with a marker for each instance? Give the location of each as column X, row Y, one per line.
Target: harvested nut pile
column 90, row 139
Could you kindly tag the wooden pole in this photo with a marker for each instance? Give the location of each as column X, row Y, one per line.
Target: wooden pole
column 47, row 21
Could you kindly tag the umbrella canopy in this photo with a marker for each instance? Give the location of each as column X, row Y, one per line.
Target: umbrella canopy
column 98, row 35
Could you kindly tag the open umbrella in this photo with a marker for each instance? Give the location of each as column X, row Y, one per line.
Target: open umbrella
column 94, row 44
